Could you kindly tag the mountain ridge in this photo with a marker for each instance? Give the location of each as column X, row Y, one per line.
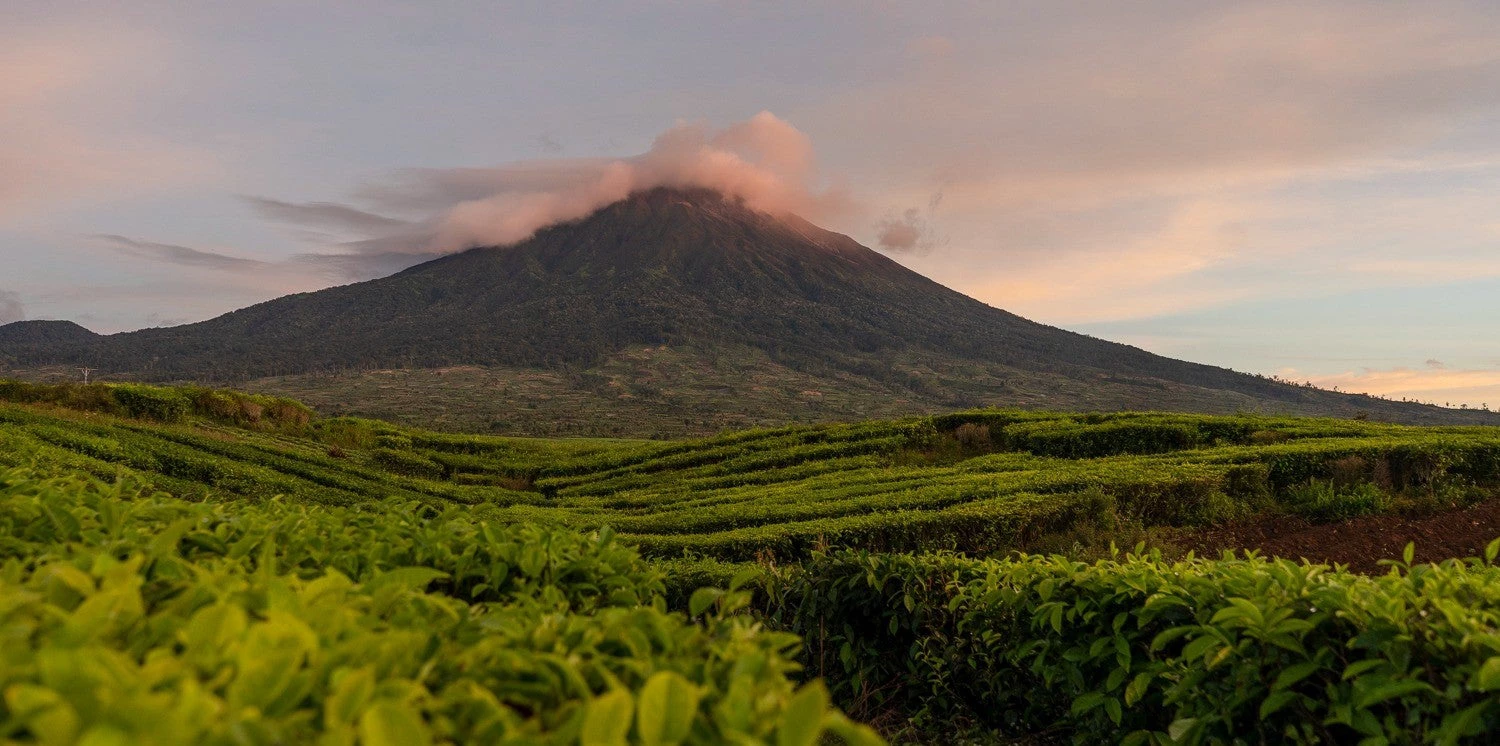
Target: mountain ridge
column 687, row 270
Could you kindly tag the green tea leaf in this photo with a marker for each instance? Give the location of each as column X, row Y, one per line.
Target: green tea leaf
column 802, row 719
column 388, row 723
column 666, row 708
column 606, row 720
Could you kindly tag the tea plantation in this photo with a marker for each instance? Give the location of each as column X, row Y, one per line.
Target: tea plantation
column 196, row 566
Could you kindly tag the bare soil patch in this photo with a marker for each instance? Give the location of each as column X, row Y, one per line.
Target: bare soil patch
column 1359, row 543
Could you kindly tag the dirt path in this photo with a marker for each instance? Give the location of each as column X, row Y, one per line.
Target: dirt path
column 1360, row 543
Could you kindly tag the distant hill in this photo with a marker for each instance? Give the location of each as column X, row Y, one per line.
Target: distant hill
column 737, row 303
column 15, row 335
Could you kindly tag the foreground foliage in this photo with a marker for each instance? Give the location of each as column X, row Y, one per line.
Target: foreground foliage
column 131, row 618
column 467, row 587
column 1142, row 650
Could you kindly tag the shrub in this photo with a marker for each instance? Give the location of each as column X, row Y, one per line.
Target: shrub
column 1142, row 650
column 94, row 397
column 152, row 403
column 346, row 432
column 1327, row 501
column 1267, row 437
column 1074, row 440
column 974, row 436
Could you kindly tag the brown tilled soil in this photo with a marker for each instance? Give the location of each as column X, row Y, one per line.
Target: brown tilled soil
column 1360, row 543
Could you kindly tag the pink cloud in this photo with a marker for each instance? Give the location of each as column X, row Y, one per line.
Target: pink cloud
column 764, row 161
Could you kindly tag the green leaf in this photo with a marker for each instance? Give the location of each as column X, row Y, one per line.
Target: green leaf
column 269, row 659
column 802, row 720
column 213, row 628
column 1167, row 636
column 405, row 578
column 72, row 578
column 44, row 712
column 1199, row 648
column 1487, row 678
column 1180, row 728
column 666, row 709
column 389, row 723
column 1391, row 690
column 348, row 695
column 702, row 599
column 1112, row 708
column 165, row 542
column 744, row 576
column 606, row 720
column 1293, row 674
column 1085, row 702
column 1275, row 702
column 1466, row 722
column 1409, row 552
column 1359, row 667
column 105, row 735
column 1137, row 688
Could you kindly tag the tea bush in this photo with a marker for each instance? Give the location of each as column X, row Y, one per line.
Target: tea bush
column 1142, row 650
column 132, row 618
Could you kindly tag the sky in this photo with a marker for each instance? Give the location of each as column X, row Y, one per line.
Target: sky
column 1310, row 190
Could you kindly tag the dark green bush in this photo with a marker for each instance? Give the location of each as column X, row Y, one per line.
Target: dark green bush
column 1142, row 650
column 151, row 402
column 1072, row 440
column 1326, row 501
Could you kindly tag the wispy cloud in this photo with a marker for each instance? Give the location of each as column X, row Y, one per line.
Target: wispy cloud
column 331, row 215
column 185, row 256
column 338, row 267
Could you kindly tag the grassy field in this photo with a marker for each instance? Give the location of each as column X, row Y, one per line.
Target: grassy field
column 888, row 548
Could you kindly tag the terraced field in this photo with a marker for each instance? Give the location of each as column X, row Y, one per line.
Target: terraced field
column 888, row 548
column 981, row 482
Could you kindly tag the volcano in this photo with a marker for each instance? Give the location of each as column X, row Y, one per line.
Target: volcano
column 738, row 302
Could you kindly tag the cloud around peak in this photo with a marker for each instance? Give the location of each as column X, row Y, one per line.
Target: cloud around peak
column 764, row 161
column 416, row 214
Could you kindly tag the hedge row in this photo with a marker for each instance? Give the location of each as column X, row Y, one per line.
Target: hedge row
column 130, row 618
column 1141, row 650
column 164, row 403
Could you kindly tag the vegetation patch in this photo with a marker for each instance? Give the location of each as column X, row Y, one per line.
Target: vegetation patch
column 133, row 618
column 1138, row 649
column 905, row 558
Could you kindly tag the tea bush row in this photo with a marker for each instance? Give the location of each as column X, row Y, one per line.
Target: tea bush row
column 132, row 618
column 1139, row 650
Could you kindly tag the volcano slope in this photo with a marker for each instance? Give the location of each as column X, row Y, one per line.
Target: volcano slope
column 667, row 313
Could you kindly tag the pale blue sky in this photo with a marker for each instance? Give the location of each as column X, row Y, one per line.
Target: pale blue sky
column 1309, row 189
